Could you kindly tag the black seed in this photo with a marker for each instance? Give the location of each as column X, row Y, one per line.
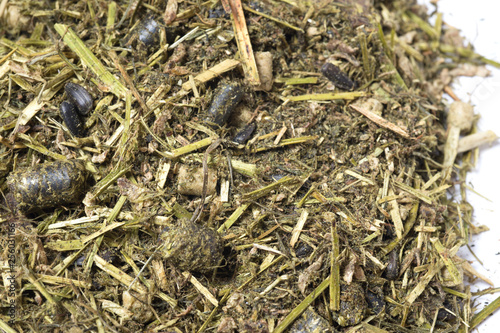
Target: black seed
column 226, row 97
column 80, row 97
column 242, row 136
column 392, row 269
column 47, row 185
column 334, row 74
column 71, row 119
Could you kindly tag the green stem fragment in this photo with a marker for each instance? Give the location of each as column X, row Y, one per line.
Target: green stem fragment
column 295, row 313
column 327, row 97
column 90, row 60
column 335, row 272
column 484, row 313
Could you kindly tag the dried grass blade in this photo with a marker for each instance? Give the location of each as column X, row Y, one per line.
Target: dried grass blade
column 192, row 147
column 6, row 328
column 298, row 228
column 244, row 43
column 327, row 96
column 201, row 288
column 381, row 121
column 424, row 281
column 485, row 313
column 295, row 313
column 233, row 218
column 335, row 272
column 39, row 286
column 102, row 231
column 266, row 189
column 450, row 265
column 212, row 73
column 286, row 24
column 118, row 274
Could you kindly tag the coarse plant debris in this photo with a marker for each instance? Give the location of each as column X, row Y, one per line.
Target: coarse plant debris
column 333, row 209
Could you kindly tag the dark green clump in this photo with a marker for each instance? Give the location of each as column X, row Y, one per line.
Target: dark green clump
column 352, row 305
column 193, row 247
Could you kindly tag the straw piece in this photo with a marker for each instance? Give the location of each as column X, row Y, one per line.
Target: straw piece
column 485, row 313
column 116, row 309
column 417, row 193
column 432, row 270
column 212, row 73
column 358, row 176
column 233, row 218
column 295, row 313
column 286, row 24
column 90, row 60
column 254, row 195
column 102, row 231
column 201, row 288
column 381, row 121
column 74, row 222
column 37, row 103
column 39, row 286
column 298, row 227
column 244, row 43
column 335, row 271
column 118, row 274
column 296, row 80
column 51, row 279
column 327, row 96
column 450, row 265
column 469, row 269
column 396, row 217
column 192, row 147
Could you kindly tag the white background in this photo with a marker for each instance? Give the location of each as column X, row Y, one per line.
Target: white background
column 479, row 22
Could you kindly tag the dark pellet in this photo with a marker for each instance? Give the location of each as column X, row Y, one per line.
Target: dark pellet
column 334, row 74
column 147, row 31
column 46, row 185
column 376, row 303
column 392, row 269
column 80, row 261
column 303, row 250
column 71, row 119
column 242, row 136
column 226, row 97
column 80, row 98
